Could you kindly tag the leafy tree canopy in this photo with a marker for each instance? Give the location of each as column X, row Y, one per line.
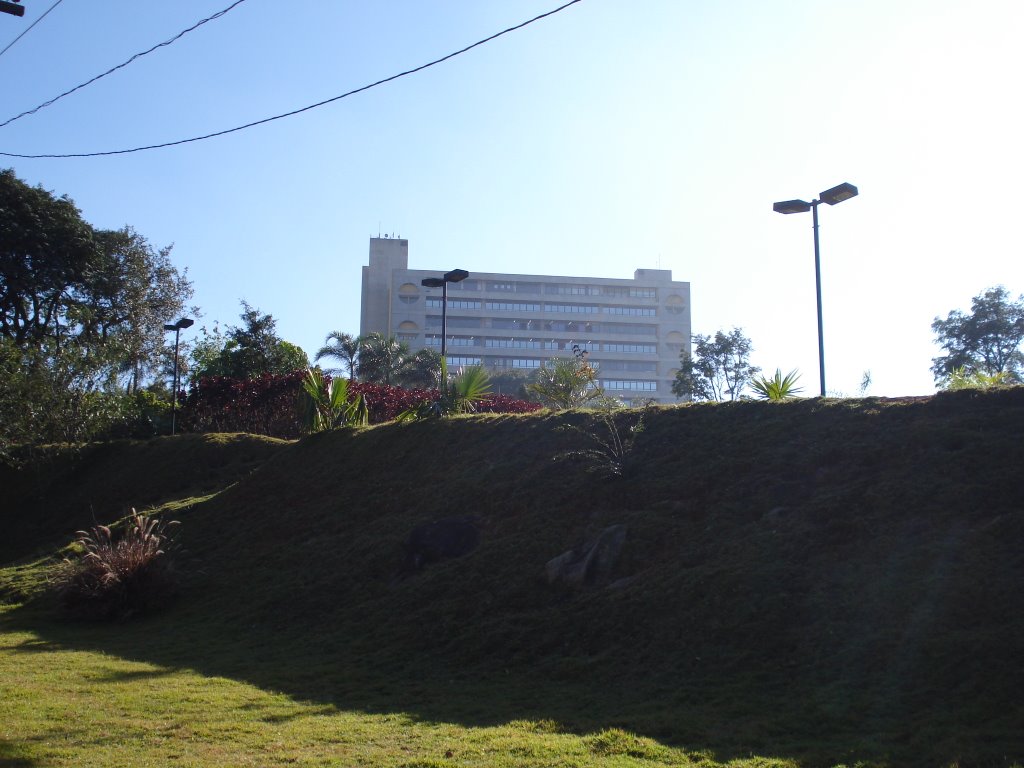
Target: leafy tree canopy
column 719, row 368
column 985, row 341
column 248, row 351
column 64, row 283
column 81, row 318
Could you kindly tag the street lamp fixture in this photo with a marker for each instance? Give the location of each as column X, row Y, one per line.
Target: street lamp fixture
column 455, row 276
column 831, row 196
column 185, row 322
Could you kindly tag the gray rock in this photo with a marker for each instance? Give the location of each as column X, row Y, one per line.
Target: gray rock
column 590, row 564
column 439, row 540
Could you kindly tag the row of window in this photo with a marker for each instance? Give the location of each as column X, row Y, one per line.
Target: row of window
column 570, row 326
column 558, row 289
column 491, row 342
column 634, row 386
column 518, row 363
column 522, row 306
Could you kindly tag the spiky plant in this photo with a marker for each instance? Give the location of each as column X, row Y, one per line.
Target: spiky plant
column 325, row 403
column 778, row 387
column 458, row 394
column 610, row 446
column 115, row 577
column 962, row 378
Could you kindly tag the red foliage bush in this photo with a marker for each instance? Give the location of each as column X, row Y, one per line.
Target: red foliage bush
column 263, row 406
column 267, row 405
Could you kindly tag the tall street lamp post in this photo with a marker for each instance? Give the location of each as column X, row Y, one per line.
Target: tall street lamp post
column 185, row 322
column 831, row 196
column 455, row 276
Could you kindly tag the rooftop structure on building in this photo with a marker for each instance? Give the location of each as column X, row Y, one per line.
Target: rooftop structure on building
column 633, row 330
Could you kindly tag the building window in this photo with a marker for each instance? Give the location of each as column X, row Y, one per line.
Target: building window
column 512, row 306
column 643, row 349
column 434, row 302
column 632, row 311
column 631, row 385
column 588, row 309
column 634, row 329
column 434, row 340
column 407, row 336
column 459, row 360
column 434, row 321
column 514, row 343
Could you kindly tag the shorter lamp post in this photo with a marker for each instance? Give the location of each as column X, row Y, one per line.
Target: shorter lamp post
column 185, row 322
column 455, row 276
column 831, row 196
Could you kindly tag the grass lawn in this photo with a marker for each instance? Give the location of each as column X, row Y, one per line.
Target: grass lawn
column 66, row 707
column 820, row 583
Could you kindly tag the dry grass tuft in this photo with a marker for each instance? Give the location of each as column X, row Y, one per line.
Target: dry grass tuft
column 118, row 577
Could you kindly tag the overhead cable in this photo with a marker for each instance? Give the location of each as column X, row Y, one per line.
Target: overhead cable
column 26, row 31
column 302, row 109
column 119, row 66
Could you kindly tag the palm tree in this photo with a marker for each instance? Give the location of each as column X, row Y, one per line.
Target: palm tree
column 565, row 382
column 343, row 347
column 382, row 359
column 421, row 371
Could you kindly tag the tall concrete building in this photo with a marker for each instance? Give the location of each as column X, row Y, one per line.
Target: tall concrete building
column 634, row 330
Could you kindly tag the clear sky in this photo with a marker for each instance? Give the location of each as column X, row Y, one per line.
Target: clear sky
column 616, row 134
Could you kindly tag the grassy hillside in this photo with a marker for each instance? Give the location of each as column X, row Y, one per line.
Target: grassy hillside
column 818, row 581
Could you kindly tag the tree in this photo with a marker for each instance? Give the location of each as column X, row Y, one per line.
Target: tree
column 720, row 369
column 382, row 359
column 422, row 371
column 343, row 347
column 251, row 350
column 47, row 254
column 140, row 291
column 565, row 382
column 81, row 312
column 985, row 341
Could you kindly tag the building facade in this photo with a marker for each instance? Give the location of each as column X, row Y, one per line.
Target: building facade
column 633, row 330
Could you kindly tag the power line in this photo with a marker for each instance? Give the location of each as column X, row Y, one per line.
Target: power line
column 302, row 109
column 119, row 66
column 30, row 27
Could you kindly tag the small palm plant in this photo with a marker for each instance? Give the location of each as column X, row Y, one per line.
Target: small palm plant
column 565, row 382
column 458, row 394
column 778, row 387
column 963, row 378
column 325, row 403
column 609, row 452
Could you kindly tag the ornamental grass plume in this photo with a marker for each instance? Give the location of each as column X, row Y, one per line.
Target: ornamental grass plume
column 116, row 577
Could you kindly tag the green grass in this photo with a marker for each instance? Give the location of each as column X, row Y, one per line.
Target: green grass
column 811, row 583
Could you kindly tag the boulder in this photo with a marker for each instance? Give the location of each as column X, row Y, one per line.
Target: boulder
column 439, row 540
column 590, row 564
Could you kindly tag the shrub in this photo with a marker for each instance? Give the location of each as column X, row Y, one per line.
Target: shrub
column 610, row 448
column 324, row 403
column 266, row 405
column 262, row 406
column 777, row 388
column 118, row 577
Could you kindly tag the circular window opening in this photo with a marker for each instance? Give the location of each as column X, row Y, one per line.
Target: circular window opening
column 408, row 293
